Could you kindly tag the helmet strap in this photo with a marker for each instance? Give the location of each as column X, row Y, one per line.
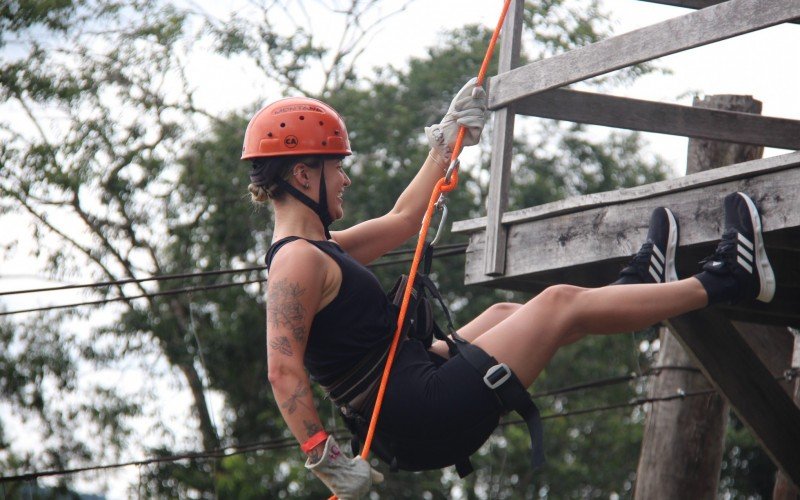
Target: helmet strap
column 321, row 208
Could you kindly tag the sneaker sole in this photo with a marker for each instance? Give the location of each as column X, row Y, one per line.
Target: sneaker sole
column 670, row 274
column 765, row 275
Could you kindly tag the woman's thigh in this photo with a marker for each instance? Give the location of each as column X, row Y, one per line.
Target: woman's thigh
column 482, row 323
column 528, row 339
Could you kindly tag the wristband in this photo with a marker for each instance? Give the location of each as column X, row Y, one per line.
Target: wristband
column 313, row 441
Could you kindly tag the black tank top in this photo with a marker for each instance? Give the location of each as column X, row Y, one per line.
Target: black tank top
column 359, row 320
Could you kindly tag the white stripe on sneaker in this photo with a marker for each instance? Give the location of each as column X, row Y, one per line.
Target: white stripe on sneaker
column 658, row 253
column 744, row 264
column 654, row 274
column 744, row 253
column 743, row 239
column 656, row 264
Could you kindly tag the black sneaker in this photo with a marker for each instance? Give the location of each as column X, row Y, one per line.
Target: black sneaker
column 655, row 261
column 739, row 269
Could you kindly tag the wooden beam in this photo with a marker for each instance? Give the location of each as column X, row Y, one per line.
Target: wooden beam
column 662, row 118
column 689, row 4
column 502, row 149
column 738, row 374
column 701, row 27
column 585, row 241
column 694, row 4
column 699, row 180
column 615, row 231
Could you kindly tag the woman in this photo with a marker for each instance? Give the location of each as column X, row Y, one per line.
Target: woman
column 328, row 317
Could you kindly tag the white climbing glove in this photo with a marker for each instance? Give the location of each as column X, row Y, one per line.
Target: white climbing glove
column 348, row 478
column 468, row 109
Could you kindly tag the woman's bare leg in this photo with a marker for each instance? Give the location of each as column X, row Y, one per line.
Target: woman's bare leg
column 480, row 325
column 527, row 339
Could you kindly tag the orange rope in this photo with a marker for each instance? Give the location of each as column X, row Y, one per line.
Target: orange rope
column 442, row 186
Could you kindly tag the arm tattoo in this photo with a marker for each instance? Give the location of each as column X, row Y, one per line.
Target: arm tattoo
column 311, row 427
column 281, row 344
column 290, row 405
column 285, row 309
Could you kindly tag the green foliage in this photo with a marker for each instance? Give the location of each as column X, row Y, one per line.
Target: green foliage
column 137, row 180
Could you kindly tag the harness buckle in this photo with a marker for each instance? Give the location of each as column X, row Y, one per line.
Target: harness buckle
column 496, row 376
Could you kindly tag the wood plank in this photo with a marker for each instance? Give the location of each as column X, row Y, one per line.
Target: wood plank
column 644, row 192
column 746, row 383
column 502, row 149
column 701, row 27
column 662, row 118
column 689, row 4
column 694, row 4
column 615, row 231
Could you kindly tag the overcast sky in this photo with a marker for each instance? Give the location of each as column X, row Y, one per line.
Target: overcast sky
column 762, row 64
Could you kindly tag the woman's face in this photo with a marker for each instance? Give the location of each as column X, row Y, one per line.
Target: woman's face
column 336, row 180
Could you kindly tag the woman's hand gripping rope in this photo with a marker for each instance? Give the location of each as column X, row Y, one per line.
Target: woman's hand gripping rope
column 347, row 477
column 467, row 111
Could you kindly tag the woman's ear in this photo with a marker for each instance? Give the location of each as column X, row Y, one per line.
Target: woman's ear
column 300, row 173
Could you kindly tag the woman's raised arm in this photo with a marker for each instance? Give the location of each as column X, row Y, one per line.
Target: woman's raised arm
column 370, row 239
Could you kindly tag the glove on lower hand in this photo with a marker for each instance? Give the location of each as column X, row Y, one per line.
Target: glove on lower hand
column 348, row 478
column 469, row 110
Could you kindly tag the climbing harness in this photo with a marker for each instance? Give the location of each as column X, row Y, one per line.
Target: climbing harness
column 497, row 376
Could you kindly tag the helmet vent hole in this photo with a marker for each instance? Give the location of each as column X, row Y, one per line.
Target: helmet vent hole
column 283, row 125
column 336, row 132
column 269, row 134
column 321, row 123
column 324, row 143
column 302, row 117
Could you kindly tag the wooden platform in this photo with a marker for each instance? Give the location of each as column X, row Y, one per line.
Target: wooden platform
column 587, row 239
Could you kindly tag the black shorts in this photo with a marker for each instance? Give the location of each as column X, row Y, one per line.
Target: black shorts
column 435, row 412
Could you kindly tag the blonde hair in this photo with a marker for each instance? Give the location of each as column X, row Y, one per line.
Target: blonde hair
column 270, row 170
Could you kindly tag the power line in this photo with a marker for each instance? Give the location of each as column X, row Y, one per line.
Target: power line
column 454, row 250
column 441, row 251
column 612, row 380
column 290, row 442
column 133, row 280
column 132, row 297
column 218, row 453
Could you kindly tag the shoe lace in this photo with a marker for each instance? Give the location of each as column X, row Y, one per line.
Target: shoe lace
column 726, row 249
column 639, row 260
column 643, row 255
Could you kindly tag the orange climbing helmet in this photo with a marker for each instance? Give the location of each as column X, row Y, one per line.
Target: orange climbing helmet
column 295, row 126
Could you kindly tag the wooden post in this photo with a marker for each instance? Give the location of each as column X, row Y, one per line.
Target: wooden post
column 684, row 440
column 784, row 489
column 502, row 145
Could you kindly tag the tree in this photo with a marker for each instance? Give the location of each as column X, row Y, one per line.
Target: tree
column 125, row 187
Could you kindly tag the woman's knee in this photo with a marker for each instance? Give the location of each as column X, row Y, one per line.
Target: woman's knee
column 504, row 309
column 560, row 295
column 559, row 302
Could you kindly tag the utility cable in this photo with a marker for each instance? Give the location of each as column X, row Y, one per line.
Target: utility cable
column 612, row 380
column 132, row 297
column 442, row 251
column 126, row 281
column 291, row 443
column 454, row 250
column 282, row 443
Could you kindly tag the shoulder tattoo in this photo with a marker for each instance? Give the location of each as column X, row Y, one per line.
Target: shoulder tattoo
column 284, row 308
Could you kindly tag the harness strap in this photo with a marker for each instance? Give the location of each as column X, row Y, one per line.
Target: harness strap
column 510, row 392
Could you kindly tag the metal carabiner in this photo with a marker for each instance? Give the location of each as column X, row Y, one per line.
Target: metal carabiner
column 452, row 168
column 440, row 203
